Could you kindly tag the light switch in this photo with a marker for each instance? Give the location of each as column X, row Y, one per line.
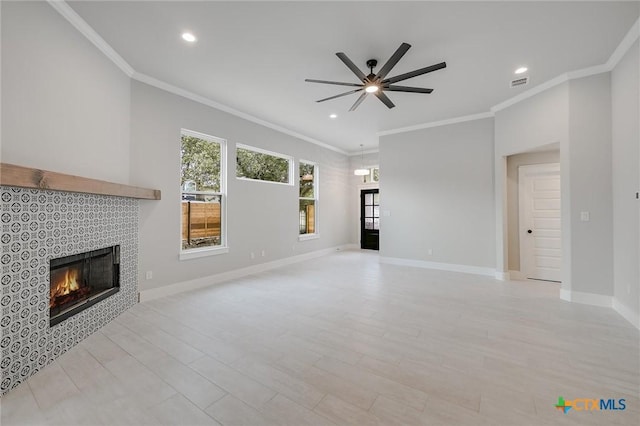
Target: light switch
column 386, row 213
column 584, row 216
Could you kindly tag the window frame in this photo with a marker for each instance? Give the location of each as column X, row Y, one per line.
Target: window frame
column 371, row 175
column 289, row 159
column 315, row 199
column 223, row 247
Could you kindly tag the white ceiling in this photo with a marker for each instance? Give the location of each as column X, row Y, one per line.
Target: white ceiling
column 254, row 56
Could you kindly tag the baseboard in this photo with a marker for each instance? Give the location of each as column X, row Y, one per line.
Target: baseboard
column 210, row 280
column 467, row 269
column 626, row 313
column 503, row 276
column 565, row 295
column 586, row 298
column 517, row 275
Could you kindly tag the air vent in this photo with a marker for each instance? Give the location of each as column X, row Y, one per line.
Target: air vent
column 519, row 82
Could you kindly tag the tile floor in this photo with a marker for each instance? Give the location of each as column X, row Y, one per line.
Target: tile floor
column 343, row 340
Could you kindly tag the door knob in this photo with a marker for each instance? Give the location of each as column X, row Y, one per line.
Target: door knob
column 529, row 231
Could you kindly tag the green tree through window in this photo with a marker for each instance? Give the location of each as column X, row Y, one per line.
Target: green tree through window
column 200, row 163
column 259, row 166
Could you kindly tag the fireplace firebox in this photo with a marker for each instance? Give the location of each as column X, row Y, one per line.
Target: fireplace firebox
column 82, row 280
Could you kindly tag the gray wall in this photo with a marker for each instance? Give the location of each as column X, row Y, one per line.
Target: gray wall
column 590, row 184
column 65, row 106
column 533, row 123
column 357, row 183
column 625, row 94
column 437, row 184
column 261, row 216
column 577, row 115
column 513, row 208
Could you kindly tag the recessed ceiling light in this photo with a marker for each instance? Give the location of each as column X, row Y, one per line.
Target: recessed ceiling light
column 333, row 115
column 188, row 37
column 521, row 70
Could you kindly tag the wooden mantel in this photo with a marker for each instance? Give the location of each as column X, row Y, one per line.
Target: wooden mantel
column 26, row 177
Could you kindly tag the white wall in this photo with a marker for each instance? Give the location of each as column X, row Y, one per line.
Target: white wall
column 513, row 207
column 590, row 184
column 261, row 216
column 65, row 106
column 625, row 95
column 437, row 184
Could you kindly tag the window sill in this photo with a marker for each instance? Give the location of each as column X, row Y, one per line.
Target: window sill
column 305, row 237
column 203, row 252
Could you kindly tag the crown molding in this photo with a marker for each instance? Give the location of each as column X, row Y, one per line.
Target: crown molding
column 151, row 81
column 446, row 122
column 85, row 29
column 626, row 43
column 624, row 46
column 365, row 152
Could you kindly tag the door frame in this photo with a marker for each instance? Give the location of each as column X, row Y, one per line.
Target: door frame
column 524, row 172
column 359, row 188
column 361, row 219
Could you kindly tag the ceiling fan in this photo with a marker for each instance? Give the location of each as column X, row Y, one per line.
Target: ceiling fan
column 377, row 84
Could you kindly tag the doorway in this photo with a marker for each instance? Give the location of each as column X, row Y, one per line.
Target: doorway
column 540, row 223
column 370, row 219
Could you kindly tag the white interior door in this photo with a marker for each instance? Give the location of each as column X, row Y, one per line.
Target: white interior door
column 540, row 232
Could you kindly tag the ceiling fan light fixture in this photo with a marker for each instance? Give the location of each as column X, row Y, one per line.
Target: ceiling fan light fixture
column 372, row 88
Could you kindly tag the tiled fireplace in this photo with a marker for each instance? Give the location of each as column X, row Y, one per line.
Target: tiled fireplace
column 42, row 233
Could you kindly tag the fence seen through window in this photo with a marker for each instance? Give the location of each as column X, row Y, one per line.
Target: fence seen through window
column 202, row 190
column 308, row 198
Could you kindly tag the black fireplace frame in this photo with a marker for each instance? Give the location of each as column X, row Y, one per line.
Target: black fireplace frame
column 92, row 300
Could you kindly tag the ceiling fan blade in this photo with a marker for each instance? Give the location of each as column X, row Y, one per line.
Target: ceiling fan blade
column 393, row 60
column 351, row 66
column 358, row 101
column 339, row 83
column 340, row 95
column 407, row 89
column 415, row 73
column 385, row 99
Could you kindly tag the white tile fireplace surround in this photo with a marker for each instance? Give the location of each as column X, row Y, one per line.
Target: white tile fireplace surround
column 37, row 226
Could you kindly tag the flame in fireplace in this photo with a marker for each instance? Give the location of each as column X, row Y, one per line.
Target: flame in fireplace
column 66, row 285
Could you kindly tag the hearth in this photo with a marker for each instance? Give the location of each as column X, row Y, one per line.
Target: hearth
column 82, row 280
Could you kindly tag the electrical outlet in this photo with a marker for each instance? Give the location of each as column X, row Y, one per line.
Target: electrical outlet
column 263, row 253
column 253, row 255
column 149, row 275
column 584, row 216
column 430, row 252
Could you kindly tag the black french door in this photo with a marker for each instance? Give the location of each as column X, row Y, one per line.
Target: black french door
column 370, row 219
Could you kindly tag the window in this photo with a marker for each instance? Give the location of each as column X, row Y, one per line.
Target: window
column 261, row 165
column 202, row 188
column 373, row 176
column 308, row 203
